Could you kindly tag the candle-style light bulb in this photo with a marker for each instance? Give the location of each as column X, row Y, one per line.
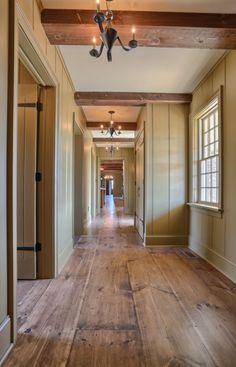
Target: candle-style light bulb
column 133, row 31
column 98, row 5
column 94, row 42
column 112, row 122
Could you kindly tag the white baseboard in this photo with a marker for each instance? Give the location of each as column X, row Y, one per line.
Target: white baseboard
column 5, row 337
column 217, row 261
column 64, row 256
column 87, row 222
column 166, row 240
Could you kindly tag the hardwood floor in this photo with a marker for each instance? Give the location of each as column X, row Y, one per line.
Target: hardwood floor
column 119, row 304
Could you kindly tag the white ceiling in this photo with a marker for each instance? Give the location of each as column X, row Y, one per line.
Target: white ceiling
column 142, row 70
column 122, row 114
column 216, row 6
column 124, row 134
column 120, row 145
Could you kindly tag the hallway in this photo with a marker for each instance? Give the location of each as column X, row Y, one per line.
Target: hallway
column 117, row 303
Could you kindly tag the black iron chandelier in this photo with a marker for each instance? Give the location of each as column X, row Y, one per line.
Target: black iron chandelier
column 112, row 149
column 111, row 130
column 108, row 34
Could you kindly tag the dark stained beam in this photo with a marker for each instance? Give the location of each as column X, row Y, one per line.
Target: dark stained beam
column 114, row 161
column 113, row 140
column 128, row 99
column 162, row 29
column 112, row 169
column 126, row 126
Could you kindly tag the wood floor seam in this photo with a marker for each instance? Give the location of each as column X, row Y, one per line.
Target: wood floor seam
column 190, row 318
column 81, row 303
column 139, row 331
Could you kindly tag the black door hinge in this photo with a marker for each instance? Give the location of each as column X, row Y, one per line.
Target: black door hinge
column 38, row 176
column 38, row 247
column 39, row 106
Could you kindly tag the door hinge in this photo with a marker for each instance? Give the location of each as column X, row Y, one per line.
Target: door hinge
column 38, row 247
column 38, row 176
column 39, row 106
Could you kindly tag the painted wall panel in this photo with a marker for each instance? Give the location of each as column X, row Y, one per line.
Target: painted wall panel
column 166, row 175
column 65, row 108
column 38, row 28
column 229, row 161
column 51, row 55
column 160, row 169
column 178, row 170
column 217, row 244
column 28, row 9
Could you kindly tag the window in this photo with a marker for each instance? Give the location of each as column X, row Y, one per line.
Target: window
column 207, row 160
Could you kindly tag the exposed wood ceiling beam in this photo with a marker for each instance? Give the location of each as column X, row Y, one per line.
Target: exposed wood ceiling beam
column 128, row 99
column 162, row 29
column 126, row 126
column 112, row 166
column 113, row 161
column 109, row 168
column 113, row 140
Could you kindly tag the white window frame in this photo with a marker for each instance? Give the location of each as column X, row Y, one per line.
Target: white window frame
column 196, row 177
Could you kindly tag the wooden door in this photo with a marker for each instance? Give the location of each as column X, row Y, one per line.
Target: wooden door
column 139, row 213
column 26, row 183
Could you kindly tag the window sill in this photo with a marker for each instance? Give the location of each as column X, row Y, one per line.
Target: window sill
column 206, row 208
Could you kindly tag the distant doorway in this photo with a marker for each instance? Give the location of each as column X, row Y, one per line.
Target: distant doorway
column 112, row 182
column 78, row 182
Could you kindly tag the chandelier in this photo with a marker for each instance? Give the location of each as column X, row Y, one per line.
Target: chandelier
column 108, row 34
column 112, row 149
column 111, row 130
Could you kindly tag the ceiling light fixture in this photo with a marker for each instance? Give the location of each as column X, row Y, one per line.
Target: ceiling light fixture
column 112, row 149
column 108, row 34
column 111, row 130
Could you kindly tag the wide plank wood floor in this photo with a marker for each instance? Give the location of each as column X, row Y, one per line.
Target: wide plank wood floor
column 118, row 304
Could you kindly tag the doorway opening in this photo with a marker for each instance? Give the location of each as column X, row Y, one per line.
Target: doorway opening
column 35, row 179
column 78, row 182
column 112, row 182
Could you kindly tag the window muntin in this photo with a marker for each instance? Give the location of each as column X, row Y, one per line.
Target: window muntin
column 209, row 158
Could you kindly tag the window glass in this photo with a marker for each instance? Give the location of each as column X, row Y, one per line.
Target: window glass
column 209, row 182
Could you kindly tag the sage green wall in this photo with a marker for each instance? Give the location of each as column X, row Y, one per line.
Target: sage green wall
column 166, row 172
column 67, row 109
column 213, row 235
